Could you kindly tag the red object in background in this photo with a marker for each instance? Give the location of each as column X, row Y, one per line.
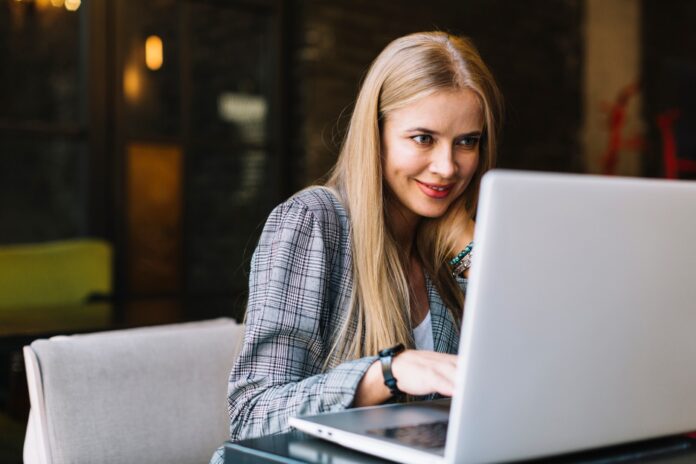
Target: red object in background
column 617, row 119
column 672, row 164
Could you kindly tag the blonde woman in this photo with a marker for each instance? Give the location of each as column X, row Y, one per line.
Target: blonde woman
column 375, row 260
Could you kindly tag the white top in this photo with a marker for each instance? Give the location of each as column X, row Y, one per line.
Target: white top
column 423, row 334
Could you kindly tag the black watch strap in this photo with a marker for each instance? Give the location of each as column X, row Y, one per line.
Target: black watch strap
column 385, row 357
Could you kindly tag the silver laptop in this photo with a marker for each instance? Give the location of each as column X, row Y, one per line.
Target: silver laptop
column 579, row 327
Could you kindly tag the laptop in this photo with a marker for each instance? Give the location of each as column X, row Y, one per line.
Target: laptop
column 579, row 327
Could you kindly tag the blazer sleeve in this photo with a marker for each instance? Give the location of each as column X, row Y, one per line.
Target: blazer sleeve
column 288, row 328
column 463, row 283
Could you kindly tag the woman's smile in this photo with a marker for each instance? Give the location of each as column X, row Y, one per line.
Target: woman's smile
column 437, row 191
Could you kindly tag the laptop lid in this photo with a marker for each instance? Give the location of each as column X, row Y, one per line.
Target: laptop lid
column 580, row 318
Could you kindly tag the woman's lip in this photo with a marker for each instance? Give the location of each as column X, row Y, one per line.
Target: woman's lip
column 435, row 190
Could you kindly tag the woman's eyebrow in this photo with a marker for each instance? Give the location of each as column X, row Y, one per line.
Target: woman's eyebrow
column 423, row 130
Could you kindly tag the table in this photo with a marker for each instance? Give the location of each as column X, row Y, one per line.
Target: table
column 38, row 321
column 296, row 447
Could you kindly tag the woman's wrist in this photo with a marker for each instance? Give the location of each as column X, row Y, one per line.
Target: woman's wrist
column 371, row 390
column 386, row 356
column 461, row 262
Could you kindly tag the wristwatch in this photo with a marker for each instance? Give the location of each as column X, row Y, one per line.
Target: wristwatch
column 385, row 357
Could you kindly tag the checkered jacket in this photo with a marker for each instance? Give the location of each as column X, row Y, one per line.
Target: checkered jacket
column 299, row 294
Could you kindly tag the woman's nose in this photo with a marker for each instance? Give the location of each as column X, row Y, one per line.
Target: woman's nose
column 442, row 162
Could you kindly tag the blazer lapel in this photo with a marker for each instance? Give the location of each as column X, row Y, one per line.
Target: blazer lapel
column 445, row 331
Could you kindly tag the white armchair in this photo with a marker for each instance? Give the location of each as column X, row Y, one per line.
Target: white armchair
column 146, row 395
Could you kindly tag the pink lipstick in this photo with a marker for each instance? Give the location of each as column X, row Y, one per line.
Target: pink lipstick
column 435, row 190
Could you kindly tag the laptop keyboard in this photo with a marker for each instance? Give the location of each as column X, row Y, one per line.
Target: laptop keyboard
column 431, row 435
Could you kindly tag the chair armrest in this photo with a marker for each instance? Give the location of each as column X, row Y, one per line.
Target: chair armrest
column 36, row 449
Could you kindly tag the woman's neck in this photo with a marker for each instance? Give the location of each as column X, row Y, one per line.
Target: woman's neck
column 402, row 223
column 404, row 231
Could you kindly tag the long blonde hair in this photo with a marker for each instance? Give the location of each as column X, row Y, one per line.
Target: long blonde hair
column 409, row 68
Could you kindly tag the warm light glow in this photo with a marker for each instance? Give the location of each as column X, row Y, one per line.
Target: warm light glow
column 240, row 108
column 42, row 4
column 131, row 83
column 154, row 56
column 57, row 3
column 72, row 5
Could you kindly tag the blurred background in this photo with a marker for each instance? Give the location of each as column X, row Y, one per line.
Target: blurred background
column 143, row 143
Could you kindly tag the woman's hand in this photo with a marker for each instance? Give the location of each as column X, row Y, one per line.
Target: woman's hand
column 424, row 372
column 416, row 372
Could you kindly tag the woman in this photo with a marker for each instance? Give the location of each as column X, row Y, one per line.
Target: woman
column 372, row 259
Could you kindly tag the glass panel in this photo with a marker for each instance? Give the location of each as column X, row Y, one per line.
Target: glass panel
column 231, row 181
column 43, row 185
column 230, row 61
column 153, row 190
column 40, row 56
column 151, row 92
column 227, row 204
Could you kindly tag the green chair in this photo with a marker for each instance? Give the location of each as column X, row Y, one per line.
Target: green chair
column 54, row 273
column 52, row 286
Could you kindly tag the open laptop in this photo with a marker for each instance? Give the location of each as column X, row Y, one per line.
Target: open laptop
column 579, row 327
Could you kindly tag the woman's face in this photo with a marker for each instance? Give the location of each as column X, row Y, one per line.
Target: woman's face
column 430, row 151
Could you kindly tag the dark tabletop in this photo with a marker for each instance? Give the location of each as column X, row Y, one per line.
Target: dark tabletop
column 297, row 447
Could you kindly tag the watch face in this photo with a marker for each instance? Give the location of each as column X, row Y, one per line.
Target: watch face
column 393, row 351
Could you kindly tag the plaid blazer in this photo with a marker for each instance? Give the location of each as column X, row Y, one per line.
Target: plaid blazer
column 299, row 291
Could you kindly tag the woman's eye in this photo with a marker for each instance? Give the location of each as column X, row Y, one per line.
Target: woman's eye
column 423, row 139
column 470, row 141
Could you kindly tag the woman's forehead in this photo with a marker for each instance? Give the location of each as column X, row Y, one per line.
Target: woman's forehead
column 459, row 109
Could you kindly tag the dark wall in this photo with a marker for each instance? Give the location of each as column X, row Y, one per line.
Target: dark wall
column 669, row 78
column 534, row 49
column 43, row 150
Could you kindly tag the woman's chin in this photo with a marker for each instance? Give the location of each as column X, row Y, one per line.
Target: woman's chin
column 433, row 213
